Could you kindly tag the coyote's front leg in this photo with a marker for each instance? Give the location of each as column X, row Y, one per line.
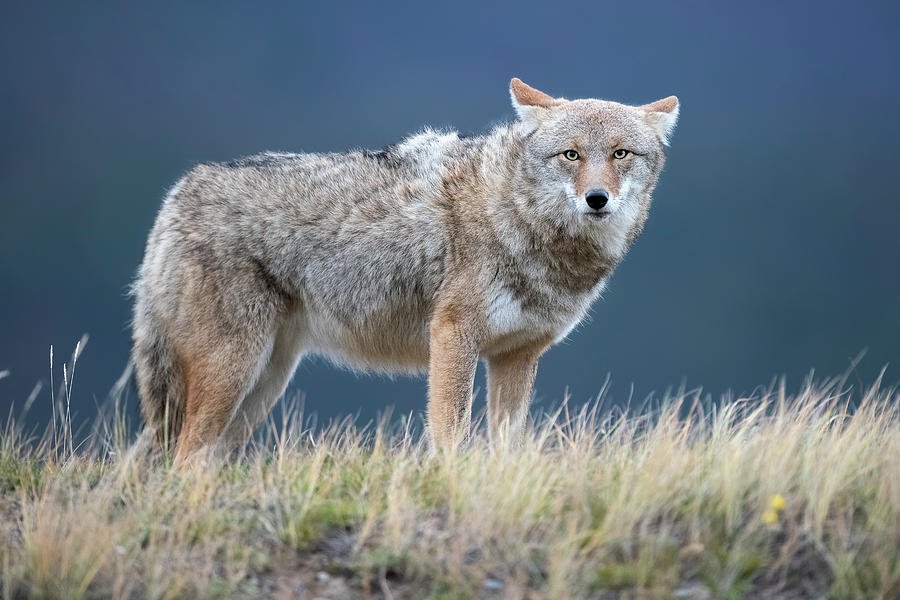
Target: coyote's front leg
column 510, row 380
column 453, row 358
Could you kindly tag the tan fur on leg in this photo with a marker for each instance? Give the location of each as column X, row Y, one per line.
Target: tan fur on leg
column 211, row 399
column 453, row 359
column 510, row 380
column 222, row 354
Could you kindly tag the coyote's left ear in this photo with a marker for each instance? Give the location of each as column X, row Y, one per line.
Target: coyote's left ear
column 531, row 105
column 662, row 115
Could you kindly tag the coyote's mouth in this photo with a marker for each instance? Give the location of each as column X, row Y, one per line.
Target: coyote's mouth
column 598, row 215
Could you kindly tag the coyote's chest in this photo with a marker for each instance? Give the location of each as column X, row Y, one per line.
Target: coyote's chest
column 514, row 320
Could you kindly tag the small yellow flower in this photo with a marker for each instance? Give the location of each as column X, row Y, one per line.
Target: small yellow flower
column 770, row 517
column 777, row 502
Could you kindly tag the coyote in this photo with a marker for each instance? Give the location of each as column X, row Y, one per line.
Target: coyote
column 428, row 254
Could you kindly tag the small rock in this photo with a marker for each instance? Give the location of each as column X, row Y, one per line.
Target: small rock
column 323, row 576
column 336, row 590
column 694, row 549
column 693, row 592
column 493, row 584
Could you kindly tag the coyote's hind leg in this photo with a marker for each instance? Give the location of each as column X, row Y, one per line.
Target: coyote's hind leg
column 286, row 352
column 216, row 384
column 224, row 342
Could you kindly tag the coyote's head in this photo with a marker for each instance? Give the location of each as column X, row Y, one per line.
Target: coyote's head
column 594, row 162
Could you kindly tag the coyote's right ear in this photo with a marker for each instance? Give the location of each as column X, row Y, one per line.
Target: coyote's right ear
column 531, row 105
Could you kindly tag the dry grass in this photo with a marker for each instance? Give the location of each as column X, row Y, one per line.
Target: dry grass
column 674, row 502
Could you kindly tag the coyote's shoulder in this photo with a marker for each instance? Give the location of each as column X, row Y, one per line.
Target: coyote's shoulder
column 427, row 254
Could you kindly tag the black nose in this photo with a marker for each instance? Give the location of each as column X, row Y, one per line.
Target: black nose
column 596, row 199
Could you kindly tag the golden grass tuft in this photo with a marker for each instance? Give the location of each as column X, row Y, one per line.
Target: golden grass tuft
column 794, row 496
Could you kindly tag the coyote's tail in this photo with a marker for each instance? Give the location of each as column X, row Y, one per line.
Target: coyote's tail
column 159, row 380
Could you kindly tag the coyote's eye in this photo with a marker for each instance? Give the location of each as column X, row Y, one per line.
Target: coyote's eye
column 620, row 154
column 571, row 154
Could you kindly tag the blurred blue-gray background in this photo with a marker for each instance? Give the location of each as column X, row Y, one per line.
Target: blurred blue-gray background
column 773, row 244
